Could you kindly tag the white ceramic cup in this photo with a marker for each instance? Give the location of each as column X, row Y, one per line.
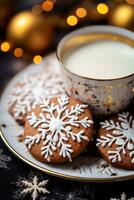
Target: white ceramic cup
column 104, row 96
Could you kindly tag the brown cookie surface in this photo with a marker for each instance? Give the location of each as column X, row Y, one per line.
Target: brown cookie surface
column 30, row 90
column 116, row 140
column 58, row 130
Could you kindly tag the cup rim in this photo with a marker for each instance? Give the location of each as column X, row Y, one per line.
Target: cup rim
column 93, row 29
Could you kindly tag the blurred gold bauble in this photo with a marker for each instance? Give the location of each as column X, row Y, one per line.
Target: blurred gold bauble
column 29, row 31
column 122, row 15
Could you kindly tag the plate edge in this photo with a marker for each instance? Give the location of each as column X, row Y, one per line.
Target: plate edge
column 59, row 175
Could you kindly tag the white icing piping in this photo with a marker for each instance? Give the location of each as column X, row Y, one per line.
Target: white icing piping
column 56, row 131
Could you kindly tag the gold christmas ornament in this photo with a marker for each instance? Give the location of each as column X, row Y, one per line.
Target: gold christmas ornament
column 122, row 15
column 29, row 31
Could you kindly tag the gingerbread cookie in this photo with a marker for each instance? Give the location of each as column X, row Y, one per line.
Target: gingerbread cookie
column 28, row 93
column 116, row 140
column 58, row 130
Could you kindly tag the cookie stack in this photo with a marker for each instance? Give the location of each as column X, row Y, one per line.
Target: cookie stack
column 58, row 127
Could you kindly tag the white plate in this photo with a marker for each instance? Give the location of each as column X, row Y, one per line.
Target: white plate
column 83, row 168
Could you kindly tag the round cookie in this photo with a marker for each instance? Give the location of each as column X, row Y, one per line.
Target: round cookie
column 30, row 90
column 116, row 140
column 58, row 130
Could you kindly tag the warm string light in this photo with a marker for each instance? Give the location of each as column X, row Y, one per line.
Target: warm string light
column 18, row 52
column 5, row 46
column 102, row 8
column 72, row 20
column 47, row 5
column 37, row 59
column 81, row 12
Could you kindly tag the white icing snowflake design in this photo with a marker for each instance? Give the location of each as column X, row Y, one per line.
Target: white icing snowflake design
column 32, row 187
column 31, row 90
column 122, row 135
column 122, row 197
column 56, row 130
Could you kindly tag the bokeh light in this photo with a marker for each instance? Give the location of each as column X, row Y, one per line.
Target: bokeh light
column 81, row 12
column 47, row 5
column 122, row 16
column 72, row 20
column 18, row 52
column 37, row 59
column 5, row 46
column 102, row 8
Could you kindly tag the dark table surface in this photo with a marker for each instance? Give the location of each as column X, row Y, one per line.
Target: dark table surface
column 14, row 174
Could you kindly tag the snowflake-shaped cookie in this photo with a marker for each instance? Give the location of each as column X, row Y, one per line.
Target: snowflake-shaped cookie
column 60, row 125
column 29, row 92
column 120, row 136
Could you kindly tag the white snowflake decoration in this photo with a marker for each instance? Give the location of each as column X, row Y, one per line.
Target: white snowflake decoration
column 31, row 90
column 57, row 130
column 122, row 135
column 122, row 197
column 3, row 160
column 34, row 187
